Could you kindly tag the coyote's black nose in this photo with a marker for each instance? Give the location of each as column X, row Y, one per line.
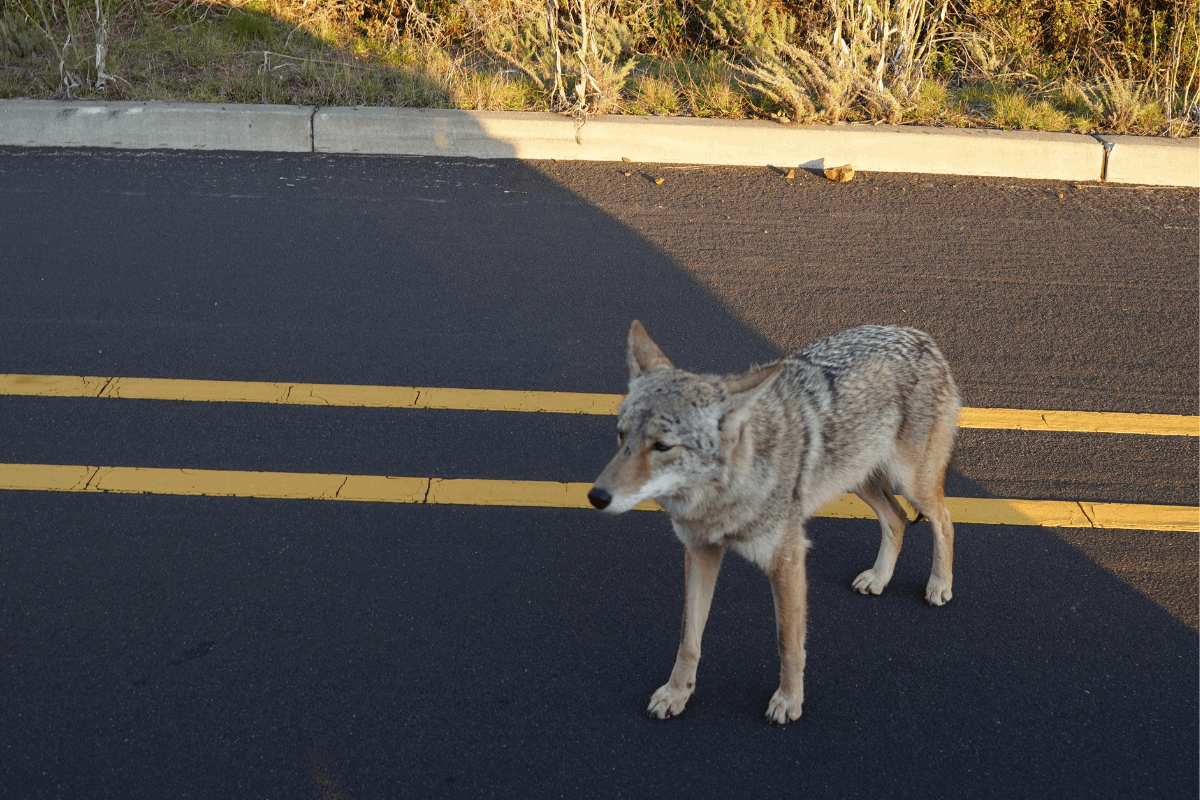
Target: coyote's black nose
column 599, row 497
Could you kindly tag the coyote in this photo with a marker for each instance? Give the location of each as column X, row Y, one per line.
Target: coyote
column 742, row 461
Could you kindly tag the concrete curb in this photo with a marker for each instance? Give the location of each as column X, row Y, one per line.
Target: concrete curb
column 1152, row 161
column 168, row 126
column 533, row 135
column 681, row 140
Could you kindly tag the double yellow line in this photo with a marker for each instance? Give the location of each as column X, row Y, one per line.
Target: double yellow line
column 328, row 394
column 537, row 494
column 545, row 494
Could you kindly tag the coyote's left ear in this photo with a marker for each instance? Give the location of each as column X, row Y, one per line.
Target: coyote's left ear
column 740, row 393
column 643, row 354
column 753, row 382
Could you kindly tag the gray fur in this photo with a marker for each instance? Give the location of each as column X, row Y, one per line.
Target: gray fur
column 742, row 461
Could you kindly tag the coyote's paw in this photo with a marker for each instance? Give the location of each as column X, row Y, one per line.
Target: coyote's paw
column 668, row 701
column 937, row 592
column 870, row 583
column 784, row 707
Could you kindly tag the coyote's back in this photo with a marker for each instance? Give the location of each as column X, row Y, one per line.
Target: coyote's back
column 879, row 398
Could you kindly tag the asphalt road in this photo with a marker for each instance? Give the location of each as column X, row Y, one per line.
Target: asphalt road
column 217, row 647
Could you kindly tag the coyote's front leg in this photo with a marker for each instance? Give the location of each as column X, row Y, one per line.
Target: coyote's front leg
column 789, row 586
column 700, row 567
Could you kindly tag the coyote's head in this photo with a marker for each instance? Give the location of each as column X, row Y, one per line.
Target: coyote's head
column 675, row 429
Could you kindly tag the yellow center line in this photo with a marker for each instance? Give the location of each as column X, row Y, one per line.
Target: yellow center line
column 538, row 494
column 1079, row 421
column 520, row 401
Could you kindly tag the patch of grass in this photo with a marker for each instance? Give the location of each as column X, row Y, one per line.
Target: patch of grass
column 1017, row 110
column 11, row 86
column 495, row 91
column 654, row 96
column 1060, row 65
column 1120, row 105
column 934, row 103
column 710, row 89
column 249, row 25
column 1021, row 108
column 19, row 36
column 247, row 57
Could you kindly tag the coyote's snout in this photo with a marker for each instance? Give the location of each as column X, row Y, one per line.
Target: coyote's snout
column 742, row 461
column 600, row 498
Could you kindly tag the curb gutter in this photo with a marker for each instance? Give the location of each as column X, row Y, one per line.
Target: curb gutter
column 537, row 135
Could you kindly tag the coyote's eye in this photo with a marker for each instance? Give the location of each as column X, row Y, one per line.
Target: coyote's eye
column 661, row 447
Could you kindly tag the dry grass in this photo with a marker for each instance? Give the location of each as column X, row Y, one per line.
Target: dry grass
column 873, row 61
column 1072, row 65
column 654, row 96
column 710, row 89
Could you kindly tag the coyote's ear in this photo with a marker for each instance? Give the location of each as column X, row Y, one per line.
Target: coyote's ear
column 751, row 383
column 740, row 393
column 643, row 354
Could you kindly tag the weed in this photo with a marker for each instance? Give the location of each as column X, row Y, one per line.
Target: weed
column 19, row 36
column 654, row 96
column 1120, row 104
column 709, row 88
column 249, row 25
column 498, row 91
column 572, row 52
column 875, row 58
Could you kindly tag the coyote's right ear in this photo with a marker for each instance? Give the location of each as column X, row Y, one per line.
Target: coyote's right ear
column 643, row 354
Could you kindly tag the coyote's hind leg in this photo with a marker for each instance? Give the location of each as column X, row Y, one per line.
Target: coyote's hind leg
column 926, row 492
column 892, row 521
column 932, row 503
